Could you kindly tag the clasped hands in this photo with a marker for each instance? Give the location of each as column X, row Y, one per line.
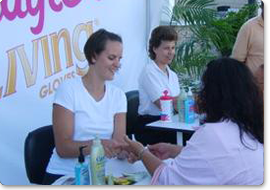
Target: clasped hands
column 132, row 150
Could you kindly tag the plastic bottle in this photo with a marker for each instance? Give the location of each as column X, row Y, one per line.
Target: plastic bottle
column 81, row 170
column 189, row 108
column 166, row 107
column 181, row 105
column 97, row 163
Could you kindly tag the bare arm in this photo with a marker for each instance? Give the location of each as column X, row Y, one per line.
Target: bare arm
column 165, row 150
column 150, row 161
column 63, row 129
column 119, row 127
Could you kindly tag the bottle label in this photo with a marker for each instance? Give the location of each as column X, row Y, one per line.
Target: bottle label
column 181, row 109
column 82, row 175
column 166, row 110
column 189, row 111
column 98, row 172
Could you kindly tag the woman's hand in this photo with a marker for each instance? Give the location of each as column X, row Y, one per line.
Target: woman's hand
column 122, row 155
column 112, row 147
column 164, row 150
column 134, row 148
column 138, row 152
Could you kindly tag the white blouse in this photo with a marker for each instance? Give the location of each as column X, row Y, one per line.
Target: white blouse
column 152, row 83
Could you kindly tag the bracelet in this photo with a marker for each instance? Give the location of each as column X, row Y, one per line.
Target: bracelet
column 142, row 151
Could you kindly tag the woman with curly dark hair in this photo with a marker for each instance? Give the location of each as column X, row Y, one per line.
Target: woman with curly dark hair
column 228, row 148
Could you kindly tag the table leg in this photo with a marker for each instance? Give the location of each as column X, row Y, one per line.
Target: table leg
column 179, row 138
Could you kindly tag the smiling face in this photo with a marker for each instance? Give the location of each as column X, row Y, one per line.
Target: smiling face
column 108, row 61
column 165, row 52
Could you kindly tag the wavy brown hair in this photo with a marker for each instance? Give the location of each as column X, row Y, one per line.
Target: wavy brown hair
column 159, row 34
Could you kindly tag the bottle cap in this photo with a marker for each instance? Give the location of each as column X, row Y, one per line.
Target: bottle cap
column 165, row 96
column 81, row 156
column 96, row 141
column 189, row 91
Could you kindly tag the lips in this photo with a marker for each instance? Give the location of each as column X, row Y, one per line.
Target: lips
column 112, row 71
column 170, row 58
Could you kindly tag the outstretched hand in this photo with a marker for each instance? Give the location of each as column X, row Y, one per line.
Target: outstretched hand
column 133, row 148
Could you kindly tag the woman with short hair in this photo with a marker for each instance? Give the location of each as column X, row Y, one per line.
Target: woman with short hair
column 86, row 107
column 155, row 78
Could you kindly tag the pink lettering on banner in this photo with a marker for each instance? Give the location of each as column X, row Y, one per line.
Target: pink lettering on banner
column 56, row 7
column 37, row 10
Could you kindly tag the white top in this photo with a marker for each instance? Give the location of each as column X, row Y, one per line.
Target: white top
column 90, row 117
column 215, row 155
column 152, row 83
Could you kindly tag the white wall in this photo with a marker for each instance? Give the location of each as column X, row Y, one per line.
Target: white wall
column 24, row 105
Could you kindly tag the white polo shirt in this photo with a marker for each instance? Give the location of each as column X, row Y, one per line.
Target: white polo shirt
column 152, row 82
column 91, row 118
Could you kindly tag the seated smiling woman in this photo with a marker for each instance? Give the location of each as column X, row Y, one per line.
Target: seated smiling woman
column 86, row 107
column 155, row 78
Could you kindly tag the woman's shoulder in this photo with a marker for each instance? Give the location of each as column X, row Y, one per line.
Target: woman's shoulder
column 70, row 83
column 225, row 134
column 220, row 127
column 172, row 73
column 149, row 68
column 114, row 90
column 249, row 25
column 210, row 132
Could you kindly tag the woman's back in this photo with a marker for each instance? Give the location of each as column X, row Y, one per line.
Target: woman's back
column 217, row 149
column 215, row 156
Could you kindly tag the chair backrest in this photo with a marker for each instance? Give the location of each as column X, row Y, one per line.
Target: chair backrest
column 38, row 148
column 132, row 111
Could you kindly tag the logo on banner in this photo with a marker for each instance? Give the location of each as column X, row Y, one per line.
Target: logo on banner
column 53, row 65
column 58, row 59
column 37, row 10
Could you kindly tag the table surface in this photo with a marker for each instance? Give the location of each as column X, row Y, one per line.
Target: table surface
column 175, row 125
column 116, row 168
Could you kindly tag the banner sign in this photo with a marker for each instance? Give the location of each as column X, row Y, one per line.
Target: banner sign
column 41, row 45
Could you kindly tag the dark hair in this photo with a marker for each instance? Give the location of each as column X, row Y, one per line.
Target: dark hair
column 96, row 43
column 161, row 33
column 229, row 91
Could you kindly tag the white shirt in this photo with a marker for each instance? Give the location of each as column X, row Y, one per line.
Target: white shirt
column 91, row 118
column 152, row 83
column 215, row 155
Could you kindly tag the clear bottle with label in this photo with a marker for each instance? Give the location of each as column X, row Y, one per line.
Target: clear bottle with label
column 97, row 163
column 181, row 104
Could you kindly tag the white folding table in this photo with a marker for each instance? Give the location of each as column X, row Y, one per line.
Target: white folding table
column 175, row 125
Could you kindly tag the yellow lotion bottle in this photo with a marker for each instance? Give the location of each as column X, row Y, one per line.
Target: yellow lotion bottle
column 97, row 163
